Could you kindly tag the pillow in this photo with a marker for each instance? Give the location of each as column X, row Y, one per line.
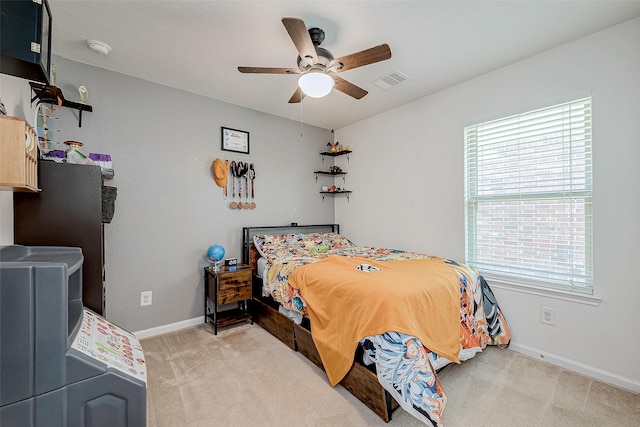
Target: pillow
column 333, row 240
column 272, row 246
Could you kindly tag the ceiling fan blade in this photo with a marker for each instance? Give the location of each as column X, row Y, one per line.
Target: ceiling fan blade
column 297, row 96
column 300, row 36
column 269, row 70
column 359, row 59
column 349, row 88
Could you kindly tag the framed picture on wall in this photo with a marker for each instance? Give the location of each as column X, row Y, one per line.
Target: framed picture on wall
column 235, row 140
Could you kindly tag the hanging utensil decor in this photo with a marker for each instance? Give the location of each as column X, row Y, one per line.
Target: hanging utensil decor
column 239, row 174
column 252, row 177
column 242, row 174
column 233, row 204
column 246, row 185
column 225, row 193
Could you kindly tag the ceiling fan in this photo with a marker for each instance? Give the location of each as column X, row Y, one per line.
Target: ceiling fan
column 317, row 62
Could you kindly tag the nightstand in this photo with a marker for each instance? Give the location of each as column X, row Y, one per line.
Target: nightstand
column 228, row 285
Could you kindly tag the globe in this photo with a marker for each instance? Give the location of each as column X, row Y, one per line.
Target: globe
column 215, row 253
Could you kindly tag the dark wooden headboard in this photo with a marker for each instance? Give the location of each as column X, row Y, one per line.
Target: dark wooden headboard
column 250, row 254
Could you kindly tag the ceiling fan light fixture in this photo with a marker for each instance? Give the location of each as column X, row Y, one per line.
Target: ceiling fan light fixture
column 316, row 84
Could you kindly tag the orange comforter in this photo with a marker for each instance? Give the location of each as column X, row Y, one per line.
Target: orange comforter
column 419, row 297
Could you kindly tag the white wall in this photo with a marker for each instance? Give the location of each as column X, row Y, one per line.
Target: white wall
column 168, row 210
column 407, row 175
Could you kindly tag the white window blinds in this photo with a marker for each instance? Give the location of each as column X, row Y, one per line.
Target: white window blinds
column 528, row 184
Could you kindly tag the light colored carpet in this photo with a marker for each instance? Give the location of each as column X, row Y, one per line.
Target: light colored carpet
column 246, row 377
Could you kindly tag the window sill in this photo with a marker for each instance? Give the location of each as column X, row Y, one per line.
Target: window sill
column 496, row 282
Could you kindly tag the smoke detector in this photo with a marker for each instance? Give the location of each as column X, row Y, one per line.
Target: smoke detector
column 101, row 47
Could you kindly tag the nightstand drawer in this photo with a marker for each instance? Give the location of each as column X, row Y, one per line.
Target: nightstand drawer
column 234, row 286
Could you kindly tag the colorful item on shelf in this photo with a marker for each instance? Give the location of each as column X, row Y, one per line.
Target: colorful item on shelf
column 104, row 160
column 75, row 155
column 55, row 155
column 333, row 145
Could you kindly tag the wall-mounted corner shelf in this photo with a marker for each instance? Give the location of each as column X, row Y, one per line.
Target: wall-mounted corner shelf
column 331, row 172
column 344, row 179
column 335, row 154
column 53, row 95
column 346, row 192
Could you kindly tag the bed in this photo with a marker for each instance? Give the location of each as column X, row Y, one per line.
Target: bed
column 379, row 321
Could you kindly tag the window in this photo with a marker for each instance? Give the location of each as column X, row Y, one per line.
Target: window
column 528, row 185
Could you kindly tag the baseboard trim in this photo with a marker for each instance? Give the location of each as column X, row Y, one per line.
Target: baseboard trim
column 580, row 368
column 159, row 330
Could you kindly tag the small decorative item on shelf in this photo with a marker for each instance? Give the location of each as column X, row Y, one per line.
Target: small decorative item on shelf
column 74, row 155
column 215, row 254
column 84, row 94
column 335, row 169
column 333, row 145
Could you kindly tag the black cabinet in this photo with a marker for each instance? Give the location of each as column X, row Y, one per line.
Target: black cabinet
column 25, row 39
column 66, row 212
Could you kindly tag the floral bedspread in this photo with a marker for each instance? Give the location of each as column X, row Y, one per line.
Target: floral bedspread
column 405, row 367
column 286, row 252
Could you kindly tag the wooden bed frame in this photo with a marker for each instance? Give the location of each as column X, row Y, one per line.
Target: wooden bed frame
column 360, row 381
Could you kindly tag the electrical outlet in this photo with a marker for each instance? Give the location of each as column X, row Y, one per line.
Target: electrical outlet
column 145, row 298
column 547, row 315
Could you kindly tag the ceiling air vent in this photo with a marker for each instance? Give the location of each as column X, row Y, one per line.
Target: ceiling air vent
column 390, row 80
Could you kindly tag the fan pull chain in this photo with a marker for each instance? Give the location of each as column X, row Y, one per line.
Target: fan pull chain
column 301, row 134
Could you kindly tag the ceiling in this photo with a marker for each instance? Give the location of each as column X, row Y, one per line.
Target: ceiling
column 197, row 46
